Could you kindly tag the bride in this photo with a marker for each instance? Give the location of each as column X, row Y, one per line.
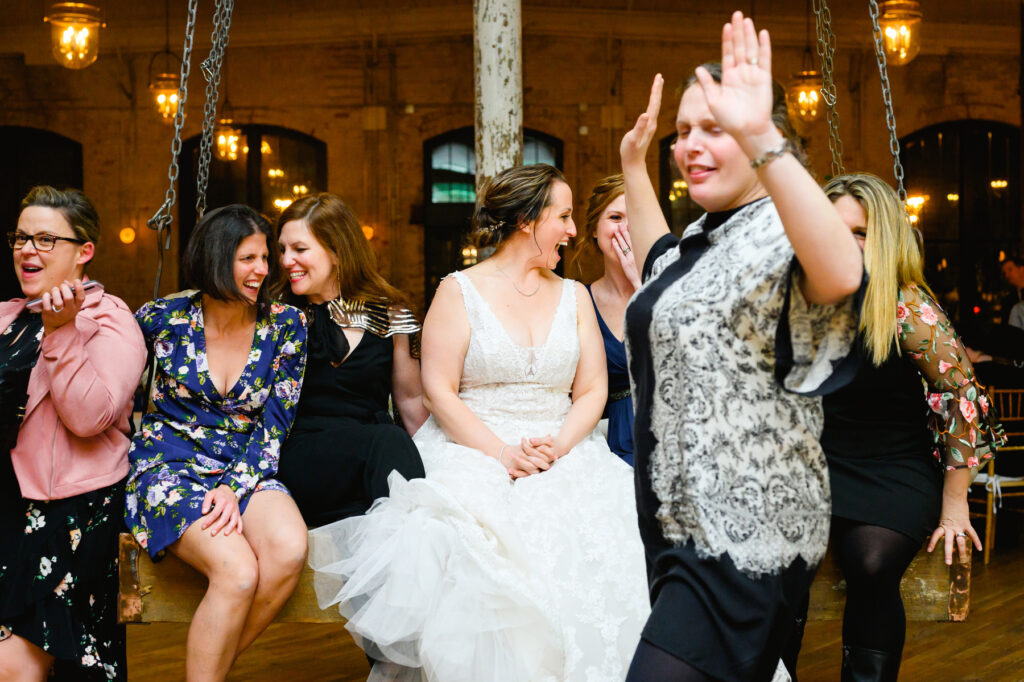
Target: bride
column 518, row 557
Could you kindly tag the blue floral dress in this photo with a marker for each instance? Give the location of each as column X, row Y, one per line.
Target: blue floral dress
column 196, row 439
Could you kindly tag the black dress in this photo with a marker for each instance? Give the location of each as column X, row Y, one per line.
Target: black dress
column 879, row 449
column 58, row 558
column 889, row 434
column 344, row 443
column 726, row 360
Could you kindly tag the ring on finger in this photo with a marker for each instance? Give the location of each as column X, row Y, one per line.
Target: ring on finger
column 752, row 61
column 961, row 535
column 626, row 251
column 57, row 309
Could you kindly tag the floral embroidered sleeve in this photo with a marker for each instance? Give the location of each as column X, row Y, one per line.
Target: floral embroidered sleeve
column 280, row 391
column 965, row 432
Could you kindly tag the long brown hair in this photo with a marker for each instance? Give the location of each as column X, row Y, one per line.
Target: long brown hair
column 604, row 193
column 336, row 227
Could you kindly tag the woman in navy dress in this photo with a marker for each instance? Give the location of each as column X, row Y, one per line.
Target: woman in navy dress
column 607, row 231
column 229, row 367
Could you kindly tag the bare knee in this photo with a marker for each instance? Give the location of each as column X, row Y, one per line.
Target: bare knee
column 285, row 553
column 21, row 661
column 235, row 577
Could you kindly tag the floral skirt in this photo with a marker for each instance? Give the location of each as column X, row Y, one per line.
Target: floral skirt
column 58, row 580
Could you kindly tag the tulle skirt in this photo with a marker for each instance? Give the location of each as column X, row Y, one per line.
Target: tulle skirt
column 465, row 576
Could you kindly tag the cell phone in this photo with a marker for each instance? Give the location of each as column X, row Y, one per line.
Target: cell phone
column 36, row 304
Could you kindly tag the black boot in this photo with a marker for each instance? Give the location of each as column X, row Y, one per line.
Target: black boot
column 869, row 665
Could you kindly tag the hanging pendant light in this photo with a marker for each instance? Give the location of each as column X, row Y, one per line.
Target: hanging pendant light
column 803, row 95
column 901, row 24
column 75, row 33
column 164, row 87
column 166, row 84
column 228, row 139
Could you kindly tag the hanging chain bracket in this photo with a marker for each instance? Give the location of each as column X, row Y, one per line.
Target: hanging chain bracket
column 211, row 68
column 162, row 219
column 890, row 118
column 826, row 54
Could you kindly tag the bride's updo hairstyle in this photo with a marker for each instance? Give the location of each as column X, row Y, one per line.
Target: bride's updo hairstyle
column 510, row 199
column 780, row 112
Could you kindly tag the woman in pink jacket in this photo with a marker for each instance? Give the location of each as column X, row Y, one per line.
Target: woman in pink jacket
column 68, row 370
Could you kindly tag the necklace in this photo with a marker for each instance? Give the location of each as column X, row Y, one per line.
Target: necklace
column 512, row 282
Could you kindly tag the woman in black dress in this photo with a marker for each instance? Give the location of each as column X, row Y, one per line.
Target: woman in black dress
column 899, row 471
column 363, row 351
column 737, row 328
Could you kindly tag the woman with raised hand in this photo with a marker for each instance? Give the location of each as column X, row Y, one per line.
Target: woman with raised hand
column 363, row 353
column 738, row 329
column 899, row 471
column 228, row 372
column 68, row 371
column 517, row 557
column 607, row 231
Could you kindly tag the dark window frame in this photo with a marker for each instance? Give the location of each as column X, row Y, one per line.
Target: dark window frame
column 968, row 235
column 252, row 136
column 449, row 222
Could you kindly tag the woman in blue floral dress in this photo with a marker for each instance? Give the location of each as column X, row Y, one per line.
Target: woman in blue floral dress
column 228, row 373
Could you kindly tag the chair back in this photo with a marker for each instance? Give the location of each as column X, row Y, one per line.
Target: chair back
column 1009, row 404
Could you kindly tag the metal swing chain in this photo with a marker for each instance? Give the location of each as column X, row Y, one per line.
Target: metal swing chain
column 162, row 219
column 890, row 118
column 826, row 53
column 211, row 68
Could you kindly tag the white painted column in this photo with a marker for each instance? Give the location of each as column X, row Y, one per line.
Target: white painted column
column 498, row 71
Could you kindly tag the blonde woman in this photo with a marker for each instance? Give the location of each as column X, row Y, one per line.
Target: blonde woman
column 899, row 464
column 607, row 231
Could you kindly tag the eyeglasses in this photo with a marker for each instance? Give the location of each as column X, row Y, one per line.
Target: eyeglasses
column 41, row 242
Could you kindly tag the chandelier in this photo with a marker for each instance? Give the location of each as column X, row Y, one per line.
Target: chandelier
column 75, row 33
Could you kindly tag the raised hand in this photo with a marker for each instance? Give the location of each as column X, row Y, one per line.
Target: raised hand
column 635, row 143
column 742, row 102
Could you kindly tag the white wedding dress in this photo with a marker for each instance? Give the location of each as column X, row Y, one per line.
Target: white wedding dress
column 465, row 576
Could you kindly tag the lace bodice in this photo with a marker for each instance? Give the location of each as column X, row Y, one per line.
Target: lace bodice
column 503, row 382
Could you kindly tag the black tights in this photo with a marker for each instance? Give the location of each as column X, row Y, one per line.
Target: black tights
column 652, row 664
column 873, row 560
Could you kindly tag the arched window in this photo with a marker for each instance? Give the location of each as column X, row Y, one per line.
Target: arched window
column 453, row 173
column 449, row 181
column 286, row 165
column 963, row 183
column 679, row 209
column 31, row 157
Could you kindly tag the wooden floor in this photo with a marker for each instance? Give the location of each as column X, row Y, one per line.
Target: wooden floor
column 988, row 647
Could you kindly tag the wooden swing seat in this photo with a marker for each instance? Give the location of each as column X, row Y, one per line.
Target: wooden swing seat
column 170, row 590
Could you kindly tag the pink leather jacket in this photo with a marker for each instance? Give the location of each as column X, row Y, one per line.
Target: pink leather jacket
column 74, row 437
